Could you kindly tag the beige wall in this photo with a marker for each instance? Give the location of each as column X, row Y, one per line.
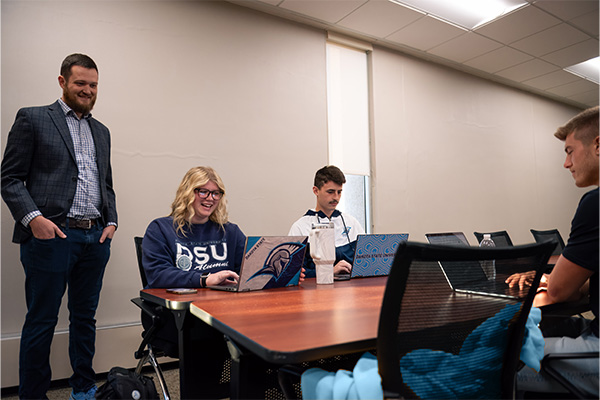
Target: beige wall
column 457, row 153
column 209, row 83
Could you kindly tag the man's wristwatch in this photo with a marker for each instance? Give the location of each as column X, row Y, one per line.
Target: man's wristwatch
column 203, row 278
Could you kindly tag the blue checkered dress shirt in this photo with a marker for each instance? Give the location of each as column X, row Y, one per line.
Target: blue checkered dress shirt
column 87, row 199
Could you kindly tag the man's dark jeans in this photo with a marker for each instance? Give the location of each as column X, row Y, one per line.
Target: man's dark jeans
column 52, row 265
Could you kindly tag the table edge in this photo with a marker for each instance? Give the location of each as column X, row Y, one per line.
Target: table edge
column 282, row 357
column 170, row 304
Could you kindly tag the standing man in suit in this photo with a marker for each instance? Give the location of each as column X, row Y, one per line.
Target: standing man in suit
column 57, row 182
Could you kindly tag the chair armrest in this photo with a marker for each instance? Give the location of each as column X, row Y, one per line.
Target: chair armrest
column 554, row 373
column 566, row 309
column 562, row 356
column 155, row 313
column 151, row 310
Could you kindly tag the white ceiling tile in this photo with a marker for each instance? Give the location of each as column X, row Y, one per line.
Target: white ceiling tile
column 539, row 39
column 571, row 89
column 380, row 18
column 425, row 33
column 551, row 80
column 329, row 11
column 465, row 47
column 527, row 70
column 573, row 54
column 588, row 23
column 568, row 9
column 589, row 98
column 498, row 59
column 518, row 25
column 552, row 39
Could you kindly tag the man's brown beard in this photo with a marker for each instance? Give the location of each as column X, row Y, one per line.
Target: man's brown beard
column 71, row 101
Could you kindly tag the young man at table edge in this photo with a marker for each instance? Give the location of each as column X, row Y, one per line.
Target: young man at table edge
column 575, row 274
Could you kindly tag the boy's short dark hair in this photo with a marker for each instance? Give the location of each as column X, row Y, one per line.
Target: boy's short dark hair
column 329, row 173
column 76, row 59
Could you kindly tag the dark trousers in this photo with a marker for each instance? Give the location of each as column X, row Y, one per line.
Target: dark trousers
column 52, row 265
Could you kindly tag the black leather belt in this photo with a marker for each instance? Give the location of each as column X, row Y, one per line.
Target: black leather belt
column 79, row 223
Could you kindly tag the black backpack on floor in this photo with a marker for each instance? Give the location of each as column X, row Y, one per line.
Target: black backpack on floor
column 122, row 383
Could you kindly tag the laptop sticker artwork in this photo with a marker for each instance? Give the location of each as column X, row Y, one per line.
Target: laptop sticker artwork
column 375, row 254
column 281, row 262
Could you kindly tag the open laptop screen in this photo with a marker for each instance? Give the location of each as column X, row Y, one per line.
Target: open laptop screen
column 375, row 253
column 447, row 238
column 269, row 262
column 458, row 273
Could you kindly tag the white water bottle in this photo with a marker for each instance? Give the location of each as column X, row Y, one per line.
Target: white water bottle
column 488, row 266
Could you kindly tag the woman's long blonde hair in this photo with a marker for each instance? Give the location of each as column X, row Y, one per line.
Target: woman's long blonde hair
column 182, row 209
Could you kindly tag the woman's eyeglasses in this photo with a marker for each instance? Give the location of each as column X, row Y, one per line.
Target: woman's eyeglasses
column 203, row 193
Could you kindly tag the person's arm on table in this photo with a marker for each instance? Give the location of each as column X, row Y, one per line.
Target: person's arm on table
column 567, row 282
column 342, row 267
column 522, row 279
column 302, row 275
column 221, row 277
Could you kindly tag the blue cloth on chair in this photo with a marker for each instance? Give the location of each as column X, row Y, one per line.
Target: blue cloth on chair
column 475, row 371
column 363, row 382
column 533, row 344
column 435, row 374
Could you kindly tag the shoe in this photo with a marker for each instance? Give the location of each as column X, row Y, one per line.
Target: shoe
column 89, row 395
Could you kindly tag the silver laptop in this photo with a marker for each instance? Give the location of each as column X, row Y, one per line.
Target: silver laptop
column 269, row 262
column 373, row 255
column 468, row 276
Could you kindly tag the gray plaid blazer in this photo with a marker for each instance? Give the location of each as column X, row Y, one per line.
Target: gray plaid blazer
column 39, row 170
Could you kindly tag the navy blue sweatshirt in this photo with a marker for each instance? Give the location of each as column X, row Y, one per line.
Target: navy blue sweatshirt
column 173, row 260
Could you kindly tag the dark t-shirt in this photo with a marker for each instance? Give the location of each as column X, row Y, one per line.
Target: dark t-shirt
column 582, row 246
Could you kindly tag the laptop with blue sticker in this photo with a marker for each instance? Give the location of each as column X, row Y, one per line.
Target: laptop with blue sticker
column 374, row 255
column 269, row 262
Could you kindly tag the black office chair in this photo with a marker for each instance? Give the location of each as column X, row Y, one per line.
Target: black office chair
column 154, row 318
column 500, row 238
column 405, row 331
column 413, row 337
column 551, row 234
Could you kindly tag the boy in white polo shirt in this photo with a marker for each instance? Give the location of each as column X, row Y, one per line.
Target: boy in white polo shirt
column 328, row 185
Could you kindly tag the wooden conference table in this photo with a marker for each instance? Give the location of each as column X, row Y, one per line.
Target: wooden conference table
column 286, row 325
column 296, row 324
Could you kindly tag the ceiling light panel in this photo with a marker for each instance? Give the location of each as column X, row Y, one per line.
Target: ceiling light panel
column 468, row 14
column 589, row 69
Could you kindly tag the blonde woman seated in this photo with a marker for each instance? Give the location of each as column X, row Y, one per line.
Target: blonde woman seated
column 196, row 246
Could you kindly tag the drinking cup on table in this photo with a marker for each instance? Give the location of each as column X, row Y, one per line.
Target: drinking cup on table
column 322, row 251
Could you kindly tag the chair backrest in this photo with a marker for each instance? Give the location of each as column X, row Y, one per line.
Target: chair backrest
column 500, row 238
column 138, row 251
column 435, row 343
column 551, row 234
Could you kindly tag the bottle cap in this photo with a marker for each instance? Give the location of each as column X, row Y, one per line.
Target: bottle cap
column 487, row 235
